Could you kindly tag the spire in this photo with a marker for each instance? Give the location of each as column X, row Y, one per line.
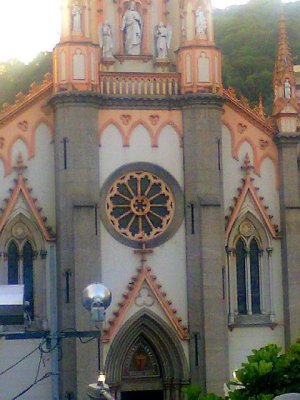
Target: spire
column 285, row 109
column 284, row 57
column 284, row 68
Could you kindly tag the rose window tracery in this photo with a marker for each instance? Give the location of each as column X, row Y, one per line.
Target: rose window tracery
column 140, row 206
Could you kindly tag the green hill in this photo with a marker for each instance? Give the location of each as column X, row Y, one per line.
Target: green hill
column 248, row 38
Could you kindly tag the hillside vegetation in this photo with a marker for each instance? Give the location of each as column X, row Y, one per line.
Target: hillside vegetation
column 247, row 36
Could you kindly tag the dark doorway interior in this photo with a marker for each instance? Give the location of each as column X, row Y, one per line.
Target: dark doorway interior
column 145, row 395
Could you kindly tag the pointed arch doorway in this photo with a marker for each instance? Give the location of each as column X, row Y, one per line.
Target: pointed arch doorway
column 146, row 360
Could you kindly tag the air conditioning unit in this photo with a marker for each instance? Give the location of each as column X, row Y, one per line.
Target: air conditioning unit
column 11, row 304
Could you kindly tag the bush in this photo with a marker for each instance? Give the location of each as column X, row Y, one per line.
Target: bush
column 267, row 374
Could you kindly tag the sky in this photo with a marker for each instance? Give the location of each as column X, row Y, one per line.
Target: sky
column 28, row 27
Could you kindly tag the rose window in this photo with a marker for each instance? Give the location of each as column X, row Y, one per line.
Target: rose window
column 140, row 206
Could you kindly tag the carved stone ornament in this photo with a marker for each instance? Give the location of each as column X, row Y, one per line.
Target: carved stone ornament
column 144, row 298
column 19, row 231
column 246, row 229
column 140, row 206
column 132, row 27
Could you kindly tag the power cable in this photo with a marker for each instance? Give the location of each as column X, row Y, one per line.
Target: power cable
column 46, row 376
column 18, row 362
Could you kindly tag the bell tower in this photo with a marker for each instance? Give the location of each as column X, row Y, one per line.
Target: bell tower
column 199, row 61
column 77, row 186
column 286, row 111
column 76, row 57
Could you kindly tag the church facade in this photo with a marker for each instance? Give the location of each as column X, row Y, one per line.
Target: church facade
column 134, row 167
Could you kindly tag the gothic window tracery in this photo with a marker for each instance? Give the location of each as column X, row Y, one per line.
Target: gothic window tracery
column 142, row 205
column 20, row 271
column 249, row 269
column 248, row 277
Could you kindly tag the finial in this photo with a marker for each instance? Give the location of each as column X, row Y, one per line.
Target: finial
column 247, row 166
column 20, row 167
column 284, row 57
column 261, row 108
column 143, row 251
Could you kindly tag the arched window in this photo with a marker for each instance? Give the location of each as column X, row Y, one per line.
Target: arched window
column 255, row 277
column 28, row 255
column 241, row 277
column 20, row 271
column 13, row 264
column 249, row 270
column 248, row 277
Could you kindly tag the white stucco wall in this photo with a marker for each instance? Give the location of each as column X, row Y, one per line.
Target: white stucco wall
column 168, row 260
column 42, row 162
column 243, row 339
column 43, row 182
column 23, row 375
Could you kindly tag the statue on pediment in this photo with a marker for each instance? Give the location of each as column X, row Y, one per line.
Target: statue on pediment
column 132, row 27
column 163, row 36
column 201, row 22
column 76, row 17
column 106, row 42
column 287, row 89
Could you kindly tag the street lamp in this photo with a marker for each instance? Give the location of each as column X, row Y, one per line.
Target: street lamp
column 96, row 298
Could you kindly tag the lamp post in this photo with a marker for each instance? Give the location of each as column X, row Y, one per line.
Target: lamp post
column 100, row 390
column 96, row 298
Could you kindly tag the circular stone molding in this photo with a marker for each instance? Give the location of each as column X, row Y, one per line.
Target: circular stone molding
column 141, row 204
column 247, row 229
column 19, row 231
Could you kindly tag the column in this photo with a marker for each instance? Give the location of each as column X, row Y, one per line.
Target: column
column 78, row 253
column 205, row 240
column 290, row 225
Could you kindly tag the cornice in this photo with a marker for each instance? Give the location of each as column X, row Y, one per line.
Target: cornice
column 242, row 106
column 137, row 102
column 23, row 102
column 287, row 138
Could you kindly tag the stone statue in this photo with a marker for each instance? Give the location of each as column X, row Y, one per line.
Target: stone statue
column 132, row 27
column 76, row 14
column 106, row 40
column 201, row 22
column 163, row 35
column 287, row 89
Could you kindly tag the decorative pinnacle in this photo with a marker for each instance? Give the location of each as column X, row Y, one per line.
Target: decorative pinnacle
column 261, row 107
column 247, row 166
column 284, row 62
column 143, row 253
column 20, row 167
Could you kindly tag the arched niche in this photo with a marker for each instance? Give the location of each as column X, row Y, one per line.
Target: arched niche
column 166, row 362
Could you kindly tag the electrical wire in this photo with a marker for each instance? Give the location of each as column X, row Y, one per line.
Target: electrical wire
column 43, row 351
column 18, row 362
column 39, row 367
column 46, row 376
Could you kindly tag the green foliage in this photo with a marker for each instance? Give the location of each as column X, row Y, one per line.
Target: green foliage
column 192, row 392
column 268, row 373
column 248, row 38
column 211, row 396
column 16, row 76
